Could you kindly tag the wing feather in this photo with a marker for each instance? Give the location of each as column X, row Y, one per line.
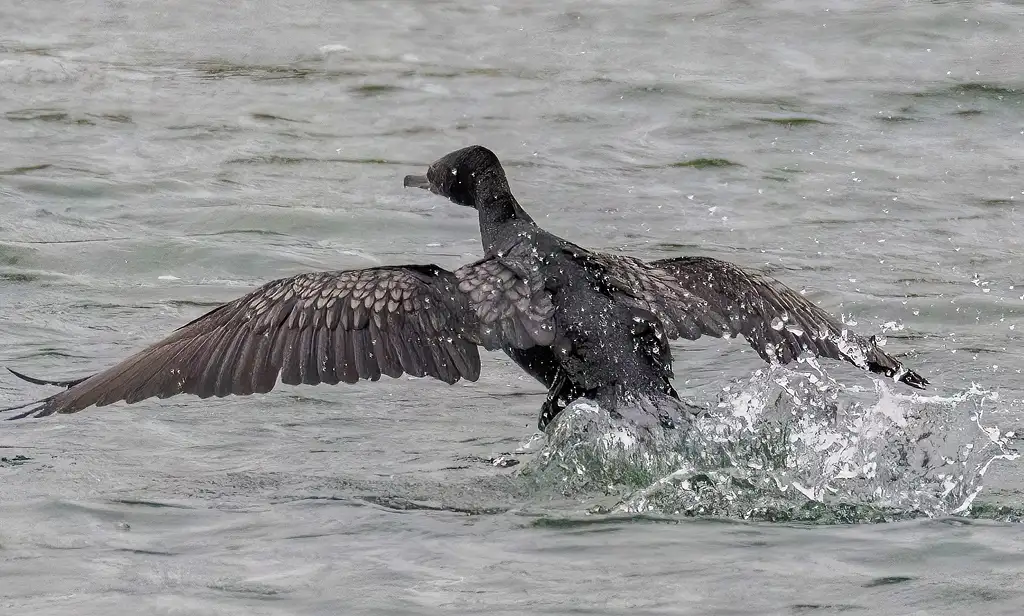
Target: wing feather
column 510, row 299
column 779, row 323
column 681, row 313
column 325, row 327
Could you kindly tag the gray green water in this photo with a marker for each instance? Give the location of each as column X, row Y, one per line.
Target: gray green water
column 159, row 158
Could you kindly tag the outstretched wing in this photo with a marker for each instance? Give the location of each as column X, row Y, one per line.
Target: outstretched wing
column 681, row 312
column 778, row 322
column 324, row 327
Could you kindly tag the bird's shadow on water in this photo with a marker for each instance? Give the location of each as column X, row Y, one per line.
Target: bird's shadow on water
column 785, row 446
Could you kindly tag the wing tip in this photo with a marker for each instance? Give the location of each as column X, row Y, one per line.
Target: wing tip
column 914, row 379
column 39, row 408
column 37, row 381
column 26, row 377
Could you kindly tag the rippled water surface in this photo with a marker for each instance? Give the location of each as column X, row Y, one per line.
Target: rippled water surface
column 158, row 159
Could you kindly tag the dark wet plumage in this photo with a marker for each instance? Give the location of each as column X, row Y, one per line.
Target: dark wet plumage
column 583, row 323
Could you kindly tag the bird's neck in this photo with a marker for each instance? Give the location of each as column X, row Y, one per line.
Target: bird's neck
column 497, row 208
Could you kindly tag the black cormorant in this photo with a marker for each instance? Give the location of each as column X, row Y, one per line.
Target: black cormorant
column 583, row 323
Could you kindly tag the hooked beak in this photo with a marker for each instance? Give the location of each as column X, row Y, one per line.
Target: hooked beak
column 417, row 181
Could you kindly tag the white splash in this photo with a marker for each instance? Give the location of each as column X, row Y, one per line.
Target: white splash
column 789, row 445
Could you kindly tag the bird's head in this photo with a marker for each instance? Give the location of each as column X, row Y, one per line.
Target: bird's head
column 457, row 175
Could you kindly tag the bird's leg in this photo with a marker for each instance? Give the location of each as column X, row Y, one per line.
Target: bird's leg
column 562, row 392
column 550, row 408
